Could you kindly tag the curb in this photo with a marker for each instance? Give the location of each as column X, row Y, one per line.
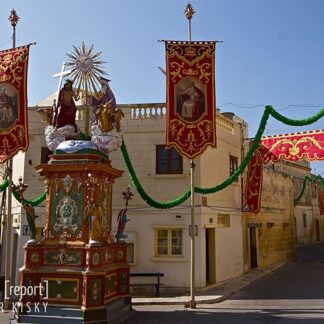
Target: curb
column 225, row 296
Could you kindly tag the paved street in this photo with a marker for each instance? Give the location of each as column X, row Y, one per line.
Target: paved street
column 293, row 293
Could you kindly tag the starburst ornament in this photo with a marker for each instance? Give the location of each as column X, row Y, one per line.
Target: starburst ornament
column 86, row 67
column 13, row 18
column 189, row 11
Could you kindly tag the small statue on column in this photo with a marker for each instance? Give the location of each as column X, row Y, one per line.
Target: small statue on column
column 21, row 188
column 122, row 215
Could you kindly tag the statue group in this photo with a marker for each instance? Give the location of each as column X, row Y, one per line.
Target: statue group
column 105, row 123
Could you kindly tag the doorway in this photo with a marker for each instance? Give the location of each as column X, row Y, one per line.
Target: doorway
column 253, row 248
column 317, row 230
column 210, row 256
column 14, row 260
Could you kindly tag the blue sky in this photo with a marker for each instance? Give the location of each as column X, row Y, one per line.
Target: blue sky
column 273, row 51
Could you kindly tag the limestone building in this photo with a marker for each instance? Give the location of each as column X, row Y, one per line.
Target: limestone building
column 282, row 222
column 158, row 239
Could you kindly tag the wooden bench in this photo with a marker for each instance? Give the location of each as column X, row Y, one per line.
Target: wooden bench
column 157, row 275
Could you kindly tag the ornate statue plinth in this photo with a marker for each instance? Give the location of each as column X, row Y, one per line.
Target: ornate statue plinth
column 77, row 263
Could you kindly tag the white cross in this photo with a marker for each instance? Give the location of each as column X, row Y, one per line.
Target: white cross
column 61, row 75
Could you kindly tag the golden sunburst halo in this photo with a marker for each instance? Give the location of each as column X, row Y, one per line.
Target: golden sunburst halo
column 86, row 68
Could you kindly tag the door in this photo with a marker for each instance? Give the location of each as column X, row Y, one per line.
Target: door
column 210, row 256
column 253, row 248
column 14, row 260
column 317, row 229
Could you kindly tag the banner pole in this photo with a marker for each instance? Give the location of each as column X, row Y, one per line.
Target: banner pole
column 189, row 12
column 8, row 238
column 192, row 303
column 13, row 18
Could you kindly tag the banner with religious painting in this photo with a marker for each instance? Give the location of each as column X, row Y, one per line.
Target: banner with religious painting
column 13, row 102
column 190, row 118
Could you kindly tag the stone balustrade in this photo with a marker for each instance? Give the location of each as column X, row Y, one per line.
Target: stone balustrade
column 154, row 111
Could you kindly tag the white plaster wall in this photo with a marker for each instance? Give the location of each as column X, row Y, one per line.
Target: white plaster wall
column 229, row 249
column 141, row 137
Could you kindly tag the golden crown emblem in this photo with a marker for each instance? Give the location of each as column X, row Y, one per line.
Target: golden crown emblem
column 190, row 51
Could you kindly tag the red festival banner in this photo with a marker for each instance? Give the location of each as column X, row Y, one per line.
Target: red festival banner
column 289, row 147
column 190, row 118
column 253, row 186
column 13, row 102
column 295, row 147
column 321, row 202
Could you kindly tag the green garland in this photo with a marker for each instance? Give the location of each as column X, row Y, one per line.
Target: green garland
column 312, row 180
column 35, row 202
column 269, row 110
column 4, row 185
column 141, row 191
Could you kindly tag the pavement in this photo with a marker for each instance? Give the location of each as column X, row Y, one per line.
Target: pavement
column 207, row 295
column 212, row 293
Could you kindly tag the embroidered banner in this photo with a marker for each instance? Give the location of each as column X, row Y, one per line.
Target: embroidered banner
column 13, row 102
column 289, row 147
column 321, row 202
column 253, row 186
column 190, row 118
column 295, row 147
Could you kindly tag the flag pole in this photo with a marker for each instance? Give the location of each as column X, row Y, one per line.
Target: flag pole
column 13, row 18
column 189, row 12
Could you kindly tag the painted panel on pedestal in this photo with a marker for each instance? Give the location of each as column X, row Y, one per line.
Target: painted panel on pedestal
column 66, row 214
column 62, row 289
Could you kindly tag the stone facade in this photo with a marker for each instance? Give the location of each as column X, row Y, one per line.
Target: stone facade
column 218, row 214
column 223, row 241
column 269, row 234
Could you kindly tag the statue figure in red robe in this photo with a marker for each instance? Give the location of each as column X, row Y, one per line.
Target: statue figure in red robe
column 66, row 109
column 122, row 221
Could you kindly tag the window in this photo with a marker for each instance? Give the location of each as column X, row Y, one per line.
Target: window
column 233, row 165
column 168, row 161
column 168, row 242
column 304, row 220
column 223, row 220
column 45, row 153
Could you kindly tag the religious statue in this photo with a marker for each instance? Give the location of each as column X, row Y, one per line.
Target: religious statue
column 66, row 110
column 104, row 111
column 21, row 188
column 122, row 215
column 122, row 221
column 31, row 216
column 94, row 216
column 102, row 126
column 103, row 97
column 47, row 114
column 104, row 117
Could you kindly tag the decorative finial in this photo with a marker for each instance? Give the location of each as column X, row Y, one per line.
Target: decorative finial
column 127, row 195
column 13, row 18
column 189, row 11
column 20, row 187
